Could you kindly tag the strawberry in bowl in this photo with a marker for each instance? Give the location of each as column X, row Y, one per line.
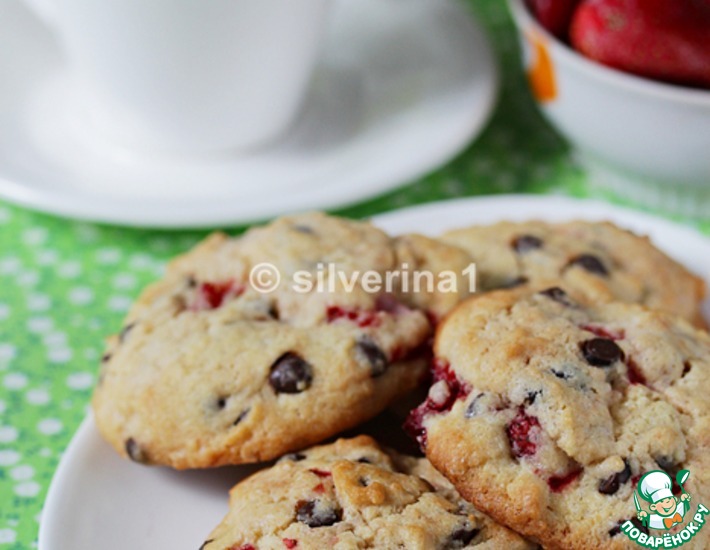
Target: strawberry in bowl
column 666, row 40
column 627, row 82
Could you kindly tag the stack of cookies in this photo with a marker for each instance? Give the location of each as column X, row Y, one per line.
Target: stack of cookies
column 577, row 367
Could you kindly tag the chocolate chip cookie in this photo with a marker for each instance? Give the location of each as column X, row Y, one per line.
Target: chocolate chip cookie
column 600, row 259
column 210, row 369
column 546, row 409
column 353, row 494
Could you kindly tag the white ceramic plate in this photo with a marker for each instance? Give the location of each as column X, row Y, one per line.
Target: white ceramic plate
column 402, row 86
column 98, row 500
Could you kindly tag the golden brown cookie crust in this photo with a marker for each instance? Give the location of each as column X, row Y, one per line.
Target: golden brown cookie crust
column 190, row 382
column 599, row 259
column 547, row 432
column 354, row 494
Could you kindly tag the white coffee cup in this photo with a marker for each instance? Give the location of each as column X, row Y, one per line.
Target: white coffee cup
column 188, row 76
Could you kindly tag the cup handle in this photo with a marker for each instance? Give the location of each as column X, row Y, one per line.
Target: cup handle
column 46, row 10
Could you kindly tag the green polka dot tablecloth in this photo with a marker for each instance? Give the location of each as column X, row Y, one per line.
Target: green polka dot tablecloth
column 64, row 285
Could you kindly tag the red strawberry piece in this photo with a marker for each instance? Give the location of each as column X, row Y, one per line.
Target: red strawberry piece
column 453, row 389
column 432, row 317
column 633, row 371
column 558, row 483
column 320, row 473
column 667, row 40
column 414, row 425
column 398, row 353
column 523, row 432
column 211, row 295
column 362, row 318
column 290, row 543
column 554, row 15
column 446, row 389
column 603, row 332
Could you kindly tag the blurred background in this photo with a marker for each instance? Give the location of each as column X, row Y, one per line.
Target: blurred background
column 65, row 284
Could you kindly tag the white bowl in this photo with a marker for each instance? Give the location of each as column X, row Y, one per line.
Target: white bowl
column 646, row 140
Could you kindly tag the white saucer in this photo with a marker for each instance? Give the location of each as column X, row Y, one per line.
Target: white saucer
column 403, row 85
column 98, row 500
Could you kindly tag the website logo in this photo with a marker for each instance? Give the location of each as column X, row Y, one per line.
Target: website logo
column 664, row 511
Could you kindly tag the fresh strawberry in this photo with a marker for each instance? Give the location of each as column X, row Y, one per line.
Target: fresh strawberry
column 554, row 15
column 446, row 389
column 523, row 432
column 559, row 483
column 211, row 295
column 667, row 40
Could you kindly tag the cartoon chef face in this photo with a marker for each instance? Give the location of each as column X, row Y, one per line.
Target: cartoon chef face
column 665, row 507
column 656, row 487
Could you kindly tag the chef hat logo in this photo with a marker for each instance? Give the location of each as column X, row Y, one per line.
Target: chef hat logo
column 655, row 486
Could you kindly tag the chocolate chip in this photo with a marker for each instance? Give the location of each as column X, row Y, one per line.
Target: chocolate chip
column 124, row 332
column 610, row 485
column 373, row 355
column 531, row 396
column 296, row 457
column 134, row 452
column 274, row 311
column 473, row 408
column 514, row 283
column 221, row 402
column 105, row 357
column 686, row 368
column 429, row 487
column 558, row 295
column 461, row 537
column 363, row 482
column 204, row 544
column 667, row 464
column 242, row 416
column 590, row 263
column 191, row 282
column 308, row 512
column 526, row 243
column 641, row 527
column 637, row 523
column 303, row 229
column 601, row 352
column 561, row 374
column 290, row 374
